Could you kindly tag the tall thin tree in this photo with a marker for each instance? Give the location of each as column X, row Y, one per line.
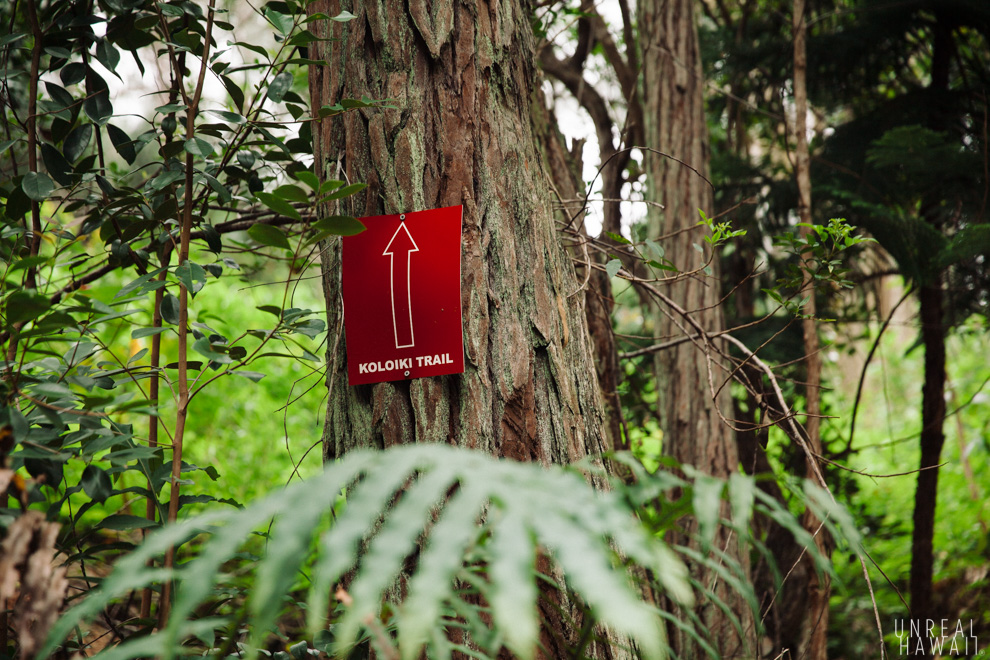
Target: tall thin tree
column 694, row 431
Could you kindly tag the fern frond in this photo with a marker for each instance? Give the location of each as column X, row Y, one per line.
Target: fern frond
column 398, row 501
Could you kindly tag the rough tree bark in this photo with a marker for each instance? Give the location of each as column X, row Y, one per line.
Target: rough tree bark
column 461, row 75
column 674, row 123
column 564, row 172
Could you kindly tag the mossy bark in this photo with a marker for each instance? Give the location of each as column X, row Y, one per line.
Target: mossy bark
column 460, row 75
column 462, row 78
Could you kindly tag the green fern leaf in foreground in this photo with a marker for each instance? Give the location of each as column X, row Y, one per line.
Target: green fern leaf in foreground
column 442, row 500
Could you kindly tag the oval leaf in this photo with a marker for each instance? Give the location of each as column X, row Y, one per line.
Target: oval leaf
column 279, row 86
column 96, row 483
column 76, row 142
column 339, row 225
column 199, row 147
column 37, row 185
column 279, row 205
column 170, row 309
column 292, row 193
column 268, row 235
column 122, row 143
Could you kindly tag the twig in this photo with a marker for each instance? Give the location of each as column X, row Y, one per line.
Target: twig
column 182, row 406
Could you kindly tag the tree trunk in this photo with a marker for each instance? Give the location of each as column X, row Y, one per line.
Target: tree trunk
column 674, row 123
column 565, row 175
column 812, row 631
column 931, row 301
column 461, row 75
column 932, row 439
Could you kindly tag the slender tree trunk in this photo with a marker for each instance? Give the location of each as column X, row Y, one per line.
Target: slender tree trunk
column 812, row 637
column 674, row 122
column 932, row 439
column 931, row 302
column 461, row 75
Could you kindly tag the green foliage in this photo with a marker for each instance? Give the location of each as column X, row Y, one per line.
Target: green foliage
column 819, row 257
column 455, row 528
column 123, row 315
column 718, row 232
column 94, row 302
column 435, row 492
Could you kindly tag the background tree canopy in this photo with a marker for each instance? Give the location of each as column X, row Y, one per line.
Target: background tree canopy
column 724, row 289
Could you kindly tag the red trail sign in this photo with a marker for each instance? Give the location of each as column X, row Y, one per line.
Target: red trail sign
column 402, row 297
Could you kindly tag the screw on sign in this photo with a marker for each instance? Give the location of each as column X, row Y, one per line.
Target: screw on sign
column 402, row 297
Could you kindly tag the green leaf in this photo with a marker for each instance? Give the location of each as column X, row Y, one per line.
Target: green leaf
column 339, row 225
column 235, row 91
column 346, row 191
column 618, row 238
column 204, row 347
column 343, row 17
column 655, row 247
column 269, row 235
column 211, row 235
column 271, row 309
column 8, row 39
column 613, row 267
column 141, row 284
column 246, row 159
column 23, row 306
column 37, row 185
column 279, row 86
column 199, row 147
column 395, row 498
column 252, row 376
column 441, row 558
column 28, row 262
column 514, row 596
column 166, row 178
column 98, row 107
column 72, row 73
column 146, row 332
column 306, row 177
column 281, row 22
column 707, row 502
column 389, row 548
column 192, row 276
column 107, row 55
column 52, row 391
column 170, row 108
column 292, row 193
column 96, row 483
column 76, row 141
column 231, row 117
column 741, row 499
column 122, row 143
column 279, row 205
column 170, row 309
column 253, row 48
column 56, row 164
column 303, row 38
column 327, row 186
column 274, row 141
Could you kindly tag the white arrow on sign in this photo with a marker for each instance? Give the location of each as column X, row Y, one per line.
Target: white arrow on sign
column 402, row 243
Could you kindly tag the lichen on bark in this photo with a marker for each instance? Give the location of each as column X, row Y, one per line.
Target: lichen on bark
column 460, row 75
